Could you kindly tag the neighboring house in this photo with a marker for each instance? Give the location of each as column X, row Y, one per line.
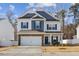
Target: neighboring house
column 6, row 32
column 77, row 32
column 76, row 39
column 37, row 28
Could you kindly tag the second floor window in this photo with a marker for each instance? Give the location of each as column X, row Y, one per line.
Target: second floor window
column 37, row 24
column 24, row 24
column 51, row 27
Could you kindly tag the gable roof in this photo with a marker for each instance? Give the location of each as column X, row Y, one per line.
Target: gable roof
column 47, row 16
column 28, row 15
column 41, row 13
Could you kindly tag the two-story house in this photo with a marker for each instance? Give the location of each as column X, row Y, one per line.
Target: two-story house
column 37, row 28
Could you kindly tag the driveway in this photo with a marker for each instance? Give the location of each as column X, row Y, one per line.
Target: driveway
column 33, row 51
column 22, row 51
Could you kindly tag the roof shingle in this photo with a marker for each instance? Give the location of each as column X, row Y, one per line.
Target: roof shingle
column 47, row 16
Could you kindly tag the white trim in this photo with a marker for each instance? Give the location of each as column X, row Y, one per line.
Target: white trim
column 38, row 15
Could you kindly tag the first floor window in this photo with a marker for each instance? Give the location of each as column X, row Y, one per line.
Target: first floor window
column 24, row 24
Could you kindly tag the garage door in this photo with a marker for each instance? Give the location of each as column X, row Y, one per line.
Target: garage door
column 31, row 40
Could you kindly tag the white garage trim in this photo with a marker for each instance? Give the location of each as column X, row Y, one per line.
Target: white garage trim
column 30, row 40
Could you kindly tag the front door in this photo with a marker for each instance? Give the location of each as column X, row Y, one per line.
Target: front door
column 46, row 40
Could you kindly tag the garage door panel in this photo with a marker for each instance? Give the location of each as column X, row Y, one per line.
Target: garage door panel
column 31, row 40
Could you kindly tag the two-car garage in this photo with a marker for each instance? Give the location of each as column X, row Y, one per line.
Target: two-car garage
column 30, row 40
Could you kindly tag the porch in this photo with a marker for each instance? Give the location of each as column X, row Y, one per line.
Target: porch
column 52, row 39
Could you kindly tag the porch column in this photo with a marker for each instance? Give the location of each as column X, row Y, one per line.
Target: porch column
column 61, row 39
column 43, row 40
column 18, row 40
column 50, row 39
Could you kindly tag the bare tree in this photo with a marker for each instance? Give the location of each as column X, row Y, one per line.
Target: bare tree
column 10, row 14
column 61, row 15
column 74, row 9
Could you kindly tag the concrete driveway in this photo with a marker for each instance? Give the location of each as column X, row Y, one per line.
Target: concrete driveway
column 33, row 51
column 22, row 51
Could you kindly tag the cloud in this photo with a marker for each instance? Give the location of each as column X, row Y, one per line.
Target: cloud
column 11, row 7
column 31, row 4
column 1, row 8
column 42, row 4
column 72, row 3
column 16, row 16
column 50, row 4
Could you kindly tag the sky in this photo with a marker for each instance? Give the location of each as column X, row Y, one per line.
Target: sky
column 19, row 8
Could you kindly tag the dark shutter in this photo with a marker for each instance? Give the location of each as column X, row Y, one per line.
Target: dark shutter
column 27, row 25
column 47, row 26
column 52, row 39
column 21, row 24
column 40, row 24
column 34, row 24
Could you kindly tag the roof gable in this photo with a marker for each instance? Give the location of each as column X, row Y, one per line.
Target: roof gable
column 47, row 16
column 37, row 17
column 28, row 15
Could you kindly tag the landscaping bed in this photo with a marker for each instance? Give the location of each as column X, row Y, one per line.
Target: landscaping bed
column 60, row 48
column 3, row 48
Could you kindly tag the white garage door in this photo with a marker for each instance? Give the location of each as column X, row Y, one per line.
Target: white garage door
column 31, row 40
